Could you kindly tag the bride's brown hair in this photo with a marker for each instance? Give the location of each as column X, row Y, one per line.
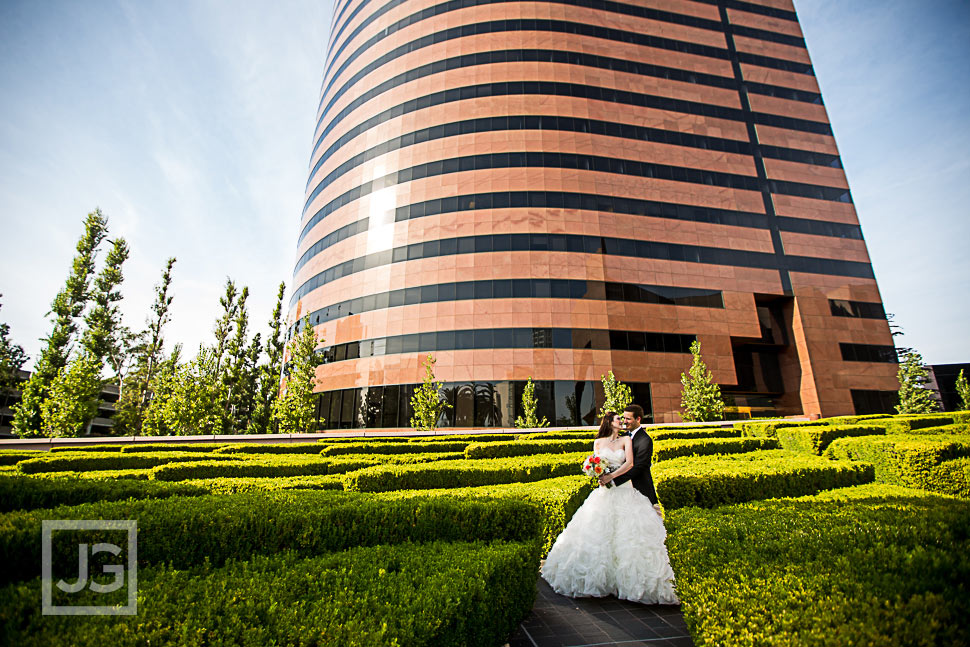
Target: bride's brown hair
column 606, row 427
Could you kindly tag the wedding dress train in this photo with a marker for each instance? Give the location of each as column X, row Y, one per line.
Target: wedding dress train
column 613, row 545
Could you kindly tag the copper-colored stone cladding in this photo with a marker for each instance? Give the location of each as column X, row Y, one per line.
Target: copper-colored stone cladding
column 817, row 380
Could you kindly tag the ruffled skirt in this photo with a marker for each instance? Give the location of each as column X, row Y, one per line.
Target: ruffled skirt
column 613, row 545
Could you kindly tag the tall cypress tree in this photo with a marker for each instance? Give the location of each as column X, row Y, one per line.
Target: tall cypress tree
column 268, row 386
column 66, row 309
column 12, row 359
column 136, row 394
column 293, row 411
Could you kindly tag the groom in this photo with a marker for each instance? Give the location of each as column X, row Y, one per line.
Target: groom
column 642, row 456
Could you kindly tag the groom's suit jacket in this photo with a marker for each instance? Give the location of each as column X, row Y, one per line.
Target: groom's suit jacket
column 640, row 472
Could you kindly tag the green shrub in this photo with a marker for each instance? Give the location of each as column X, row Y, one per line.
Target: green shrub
column 255, row 468
column 589, row 436
column 93, row 461
column 393, row 448
column 291, row 448
column 915, row 461
column 667, row 449
column 468, row 438
column 853, row 420
column 115, row 447
column 814, row 440
column 28, row 493
column 906, row 424
column 187, row 531
column 365, row 439
column 231, row 485
column 709, row 481
column 769, row 429
column 463, row 473
column 559, row 499
column 868, row 565
column 141, row 474
column 14, row 457
column 172, row 447
column 447, row 594
column 517, row 448
column 687, row 433
column 959, row 428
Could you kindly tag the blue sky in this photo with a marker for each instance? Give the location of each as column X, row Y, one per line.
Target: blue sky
column 189, row 124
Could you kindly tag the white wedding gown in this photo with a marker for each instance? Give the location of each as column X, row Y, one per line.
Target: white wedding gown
column 613, row 545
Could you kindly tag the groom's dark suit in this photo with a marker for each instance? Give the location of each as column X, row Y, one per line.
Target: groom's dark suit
column 640, row 472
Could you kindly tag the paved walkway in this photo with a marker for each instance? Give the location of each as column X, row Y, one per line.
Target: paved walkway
column 558, row 621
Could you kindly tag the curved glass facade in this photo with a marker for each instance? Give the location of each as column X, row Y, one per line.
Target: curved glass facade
column 555, row 189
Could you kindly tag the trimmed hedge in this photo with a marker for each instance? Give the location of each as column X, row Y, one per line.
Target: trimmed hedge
column 291, row 465
column 188, row 531
column 393, row 448
column 93, row 461
column 709, row 481
column 688, row 433
column 667, row 449
column 559, row 499
column 557, row 435
column 960, row 428
column 9, row 457
column 292, row 448
column 468, row 438
column 172, row 447
column 28, row 493
column 437, row 594
column 868, row 565
column 518, row 448
column 770, row 428
column 814, row 440
column 463, row 473
column 229, row 485
column 853, row 420
column 142, row 474
column 915, row 461
column 87, row 448
column 907, row 424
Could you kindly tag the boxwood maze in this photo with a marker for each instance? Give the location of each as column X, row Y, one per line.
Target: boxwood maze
column 436, row 540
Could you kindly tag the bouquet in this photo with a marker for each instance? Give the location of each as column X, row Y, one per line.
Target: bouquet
column 595, row 466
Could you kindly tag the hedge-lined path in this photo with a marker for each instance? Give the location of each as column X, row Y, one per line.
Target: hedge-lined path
column 558, row 621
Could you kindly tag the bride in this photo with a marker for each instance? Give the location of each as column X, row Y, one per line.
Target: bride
column 614, row 544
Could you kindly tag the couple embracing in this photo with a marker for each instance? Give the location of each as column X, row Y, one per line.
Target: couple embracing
column 614, row 544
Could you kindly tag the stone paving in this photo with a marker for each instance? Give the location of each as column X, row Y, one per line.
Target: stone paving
column 558, row 621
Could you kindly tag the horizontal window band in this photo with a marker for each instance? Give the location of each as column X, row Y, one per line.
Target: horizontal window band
column 520, row 289
column 573, row 58
column 588, row 202
column 572, row 161
column 504, row 338
column 780, row 92
column 775, row 63
column 599, row 5
column 564, row 124
column 869, row 353
column 857, row 309
column 586, row 245
column 819, row 227
column 555, row 89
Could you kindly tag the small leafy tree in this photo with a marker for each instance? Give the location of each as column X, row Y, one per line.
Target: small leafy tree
column 914, row 397
column 963, row 390
column 529, row 407
column 426, row 401
column 618, row 395
column 73, row 400
column 183, row 403
column 294, row 409
column 701, row 397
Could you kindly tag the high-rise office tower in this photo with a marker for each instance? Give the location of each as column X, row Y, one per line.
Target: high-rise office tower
column 557, row 189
